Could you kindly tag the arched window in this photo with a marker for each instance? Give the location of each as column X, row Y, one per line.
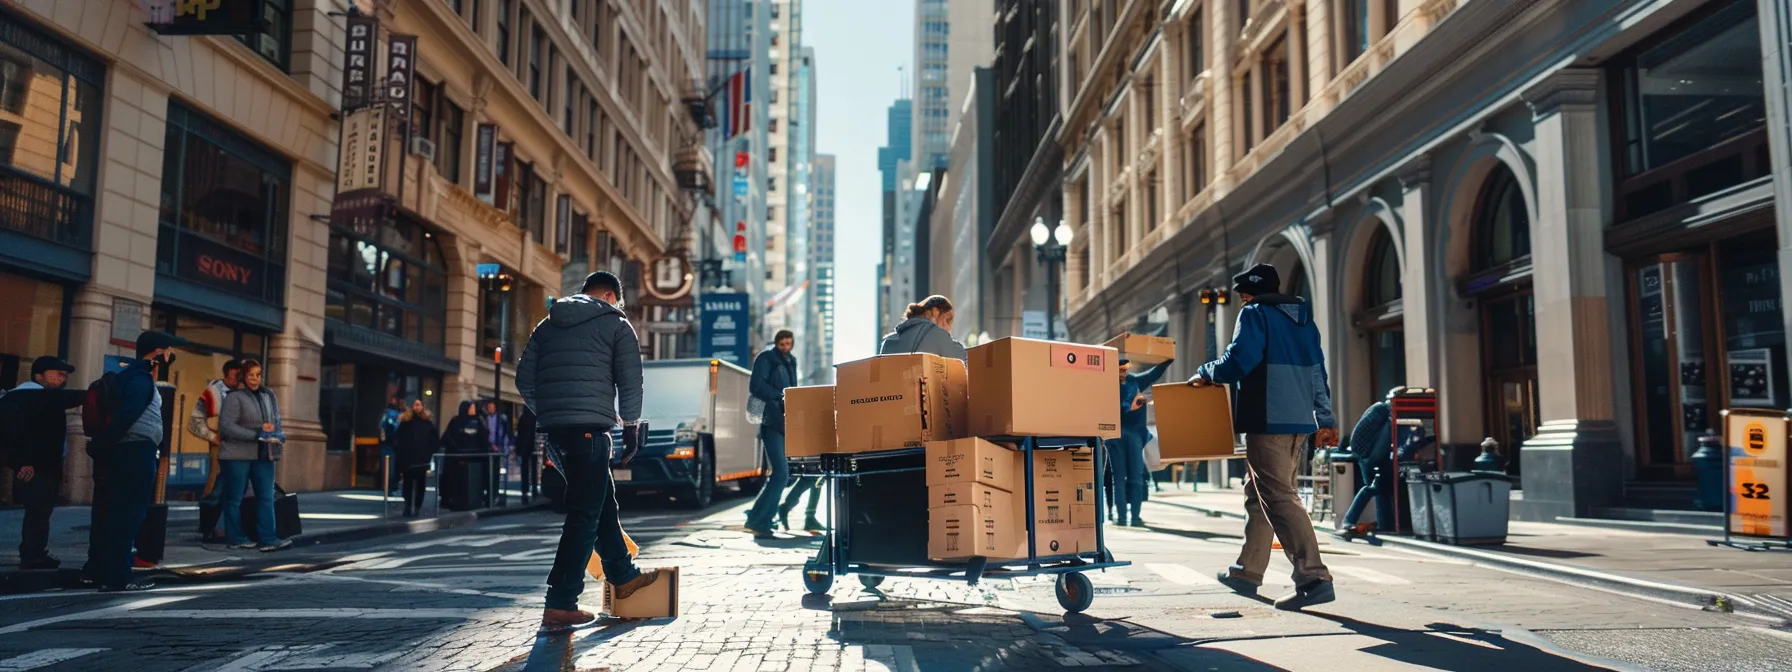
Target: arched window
column 1294, row 282
column 1382, row 284
column 1502, row 224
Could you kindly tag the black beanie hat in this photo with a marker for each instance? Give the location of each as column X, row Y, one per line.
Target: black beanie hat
column 1259, row 280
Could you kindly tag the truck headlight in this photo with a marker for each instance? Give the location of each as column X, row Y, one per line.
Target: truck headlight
column 684, row 434
column 682, row 453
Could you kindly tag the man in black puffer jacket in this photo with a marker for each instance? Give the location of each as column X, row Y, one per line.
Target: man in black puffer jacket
column 581, row 370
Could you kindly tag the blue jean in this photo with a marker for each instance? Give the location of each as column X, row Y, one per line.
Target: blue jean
column 592, row 517
column 257, row 473
column 1378, row 490
column 765, row 508
column 126, row 482
column 1126, row 461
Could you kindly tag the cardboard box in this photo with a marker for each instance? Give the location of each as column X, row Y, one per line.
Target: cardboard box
column 1062, row 540
column 1194, row 423
column 808, row 420
column 1062, row 480
column 658, row 600
column 967, row 492
column 899, row 401
column 961, row 531
column 974, row 460
column 1026, row 387
column 1143, row 350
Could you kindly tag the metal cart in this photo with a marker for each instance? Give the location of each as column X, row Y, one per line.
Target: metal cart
column 878, row 523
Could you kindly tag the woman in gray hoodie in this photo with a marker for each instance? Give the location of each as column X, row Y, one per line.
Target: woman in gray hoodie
column 253, row 437
column 926, row 327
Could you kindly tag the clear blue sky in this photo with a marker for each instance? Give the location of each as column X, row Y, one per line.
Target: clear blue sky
column 858, row 48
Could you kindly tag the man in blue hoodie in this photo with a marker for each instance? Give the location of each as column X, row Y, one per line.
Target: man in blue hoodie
column 125, row 458
column 1280, row 396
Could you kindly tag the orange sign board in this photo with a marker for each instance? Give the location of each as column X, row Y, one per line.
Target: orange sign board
column 1758, row 477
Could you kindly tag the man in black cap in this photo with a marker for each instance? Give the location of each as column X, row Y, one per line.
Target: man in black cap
column 34, row 413
column 124, row 458
column 1280, row 396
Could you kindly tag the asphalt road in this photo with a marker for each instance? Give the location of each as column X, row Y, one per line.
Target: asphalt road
column 468, row 599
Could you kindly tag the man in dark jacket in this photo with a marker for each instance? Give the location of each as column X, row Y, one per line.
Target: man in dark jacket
column 35, row 415
column 1126, row 455
column 580, row 371
column 125, row 457
column 773, row 370
column 1280, row 395
column 525, row 454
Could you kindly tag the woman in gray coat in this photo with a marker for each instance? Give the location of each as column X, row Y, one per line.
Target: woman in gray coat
column 253, row 438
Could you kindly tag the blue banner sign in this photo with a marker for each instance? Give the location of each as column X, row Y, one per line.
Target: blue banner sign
column 725, row 321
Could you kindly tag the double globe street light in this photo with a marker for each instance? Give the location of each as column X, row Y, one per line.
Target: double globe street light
column 1051, row 244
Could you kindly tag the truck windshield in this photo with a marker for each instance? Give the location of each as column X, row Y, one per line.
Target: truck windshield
column 674, row 394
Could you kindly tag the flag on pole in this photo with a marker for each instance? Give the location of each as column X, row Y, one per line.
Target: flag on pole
column 740, row 104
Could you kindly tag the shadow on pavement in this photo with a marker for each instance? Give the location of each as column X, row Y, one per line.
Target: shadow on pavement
column 1439, row 646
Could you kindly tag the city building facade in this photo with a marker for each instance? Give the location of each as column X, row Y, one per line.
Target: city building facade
column 1027, row 171
column 820, row 369
column 965, row 211
column 898, row 131
column 1563, row 217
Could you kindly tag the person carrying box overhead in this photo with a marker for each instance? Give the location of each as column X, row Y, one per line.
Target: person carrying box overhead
column 1126, row 455
column 1277, row 369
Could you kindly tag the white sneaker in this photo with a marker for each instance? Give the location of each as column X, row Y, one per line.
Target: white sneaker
column 283, row 545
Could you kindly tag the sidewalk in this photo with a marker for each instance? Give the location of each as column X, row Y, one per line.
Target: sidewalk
column 325, row 517
column 1664, row 566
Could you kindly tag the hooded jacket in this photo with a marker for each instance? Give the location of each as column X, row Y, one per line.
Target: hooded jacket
column 582, row 367
column 772, row 373
column 919, row 334
column 415, row 442
column 1276, row 368
column 35, row 420
column 466, row 433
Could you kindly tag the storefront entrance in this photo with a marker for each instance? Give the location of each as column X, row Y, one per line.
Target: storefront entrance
column 1509, row 356
column 352, row 399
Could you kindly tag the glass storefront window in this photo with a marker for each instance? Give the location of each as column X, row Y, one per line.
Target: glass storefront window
column 224, row 208
column 1503, row 224
column 209, row 336
column 1382, row 285
column 518, row 327
column 1754, row 334
column 50, row 109
column 390, row 280
column 1695, row 90
column 31, row 325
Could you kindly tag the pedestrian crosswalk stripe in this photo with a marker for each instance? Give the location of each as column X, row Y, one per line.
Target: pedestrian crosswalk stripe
column 44, row 658
column 1371, row 575
column 1181, row 575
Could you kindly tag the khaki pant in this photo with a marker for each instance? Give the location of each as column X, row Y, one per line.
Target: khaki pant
column 1272, row 505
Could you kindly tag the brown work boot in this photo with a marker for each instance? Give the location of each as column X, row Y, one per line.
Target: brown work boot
column 644, row 580
column 565, row 618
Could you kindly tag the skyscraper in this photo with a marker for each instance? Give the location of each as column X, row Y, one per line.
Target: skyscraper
column 890, row 157
column 821, row 264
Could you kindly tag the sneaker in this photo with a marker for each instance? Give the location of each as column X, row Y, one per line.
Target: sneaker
column 813, row 525
column 627, row 588
column 565, row 618
column 132, row 587
column 1314, row 593
column 46, row 562
column 283, row 545
column 1239, row 584
column 245, row 545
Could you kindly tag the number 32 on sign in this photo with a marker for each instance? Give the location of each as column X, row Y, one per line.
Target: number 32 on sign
column 1756, row 458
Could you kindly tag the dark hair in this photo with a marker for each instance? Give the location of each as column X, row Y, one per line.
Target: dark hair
column 233, row 365
column 602, row 281
column 250, row 363
column 935, row 302
column 783, row 334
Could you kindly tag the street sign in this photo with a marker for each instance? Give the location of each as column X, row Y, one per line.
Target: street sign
column 724, row 321
column 1755, row 457
column 487, row 270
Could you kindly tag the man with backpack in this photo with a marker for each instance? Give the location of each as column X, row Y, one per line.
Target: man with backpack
column 1280, row 396
column 126, row 426
column 34, row 414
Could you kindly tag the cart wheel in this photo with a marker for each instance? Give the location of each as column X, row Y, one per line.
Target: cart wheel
column 816, row 578
column 1075, row 592
column 870, row 582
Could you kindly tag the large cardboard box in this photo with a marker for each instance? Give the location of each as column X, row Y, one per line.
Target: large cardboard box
column 658, row 600
column 1064, row 540
column 808, row 420
column 899, row 401
column 1194, row 423
column 1143, row 350
column 997, row 532
column 1062, row 480
column 967, row 492
column 1027, row 387
column 974, row 460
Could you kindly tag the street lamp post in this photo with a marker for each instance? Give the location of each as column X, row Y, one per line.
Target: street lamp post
column 1051, row 245
column 500, row 283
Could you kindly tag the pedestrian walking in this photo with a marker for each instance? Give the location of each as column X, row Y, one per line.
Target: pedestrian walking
column 1126, row 455
column 199, row 422
column 581, row 374
column 414, row 445
column 389, row 441
column 35, row 416
column 526, row 461
column 1280, row 395
column 125, row 435
column 254, row 438
column 926, row 327
column 773, row 371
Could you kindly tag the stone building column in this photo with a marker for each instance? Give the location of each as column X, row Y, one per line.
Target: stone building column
column 1776, row 62
column 1418, row 267
column 1220, row 117
column 1575, row 462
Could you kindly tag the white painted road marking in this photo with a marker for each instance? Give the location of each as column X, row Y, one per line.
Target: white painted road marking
column 1371, row 575
column 1181, row 575
column 120, row 611
column 43, row 658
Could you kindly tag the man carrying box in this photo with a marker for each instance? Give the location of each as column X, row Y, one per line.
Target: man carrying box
column 1277, row 369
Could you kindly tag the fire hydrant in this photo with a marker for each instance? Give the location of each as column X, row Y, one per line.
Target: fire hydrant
column 1708, row 466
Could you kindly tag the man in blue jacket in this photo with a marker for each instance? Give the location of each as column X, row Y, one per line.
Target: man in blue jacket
column 1280, row 395
column 1126, row 455
column 125, row 458
column 773, row 370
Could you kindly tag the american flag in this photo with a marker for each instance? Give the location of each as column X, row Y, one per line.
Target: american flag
column 740, row 105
